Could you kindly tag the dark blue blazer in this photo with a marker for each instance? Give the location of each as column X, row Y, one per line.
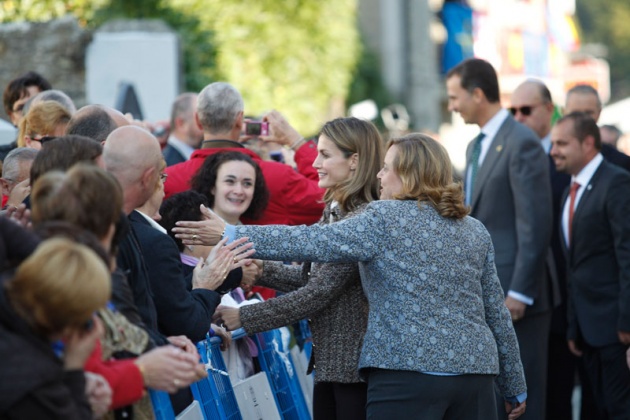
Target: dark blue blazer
column 172, row 156
column 180, row 311
column 598, row 259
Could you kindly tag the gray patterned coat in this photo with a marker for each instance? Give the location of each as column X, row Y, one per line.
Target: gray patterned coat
column 331, row 295
column 436, row 304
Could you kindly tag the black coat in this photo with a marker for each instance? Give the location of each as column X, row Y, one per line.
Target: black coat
column 180, row 311
column 598, row 260
column 33, row 383
column 131, row 261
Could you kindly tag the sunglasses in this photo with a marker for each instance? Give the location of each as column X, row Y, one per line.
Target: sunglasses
column 44, row 139
column 525, row 110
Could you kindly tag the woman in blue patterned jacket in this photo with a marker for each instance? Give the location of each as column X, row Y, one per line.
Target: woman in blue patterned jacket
column 439, row 335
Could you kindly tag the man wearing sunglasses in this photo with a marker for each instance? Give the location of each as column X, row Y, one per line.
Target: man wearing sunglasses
column 507, row 187
column 531, row 104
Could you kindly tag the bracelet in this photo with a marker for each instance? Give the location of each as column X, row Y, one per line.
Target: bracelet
column 297, row 143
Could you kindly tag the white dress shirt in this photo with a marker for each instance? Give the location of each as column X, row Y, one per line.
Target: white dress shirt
column 583, row 178
column 489, row 130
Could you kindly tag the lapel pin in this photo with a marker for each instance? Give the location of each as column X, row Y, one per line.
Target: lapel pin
column 499, row 148
column 588, row 187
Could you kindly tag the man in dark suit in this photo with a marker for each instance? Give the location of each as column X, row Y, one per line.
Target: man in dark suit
column 186, row 135
column 584, row 98
column 531, row 104
column 507, row 186
column 596, row 232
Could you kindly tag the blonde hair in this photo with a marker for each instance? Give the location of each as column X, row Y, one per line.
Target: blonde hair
column 42, row 119
column 352, row 135
column 60, row 285
column 426, row 172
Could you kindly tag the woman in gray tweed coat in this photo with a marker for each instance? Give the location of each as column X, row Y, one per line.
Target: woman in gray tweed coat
column 349, row 154
column 439, row 335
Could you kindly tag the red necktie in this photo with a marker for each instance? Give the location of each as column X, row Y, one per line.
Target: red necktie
column 572, row 193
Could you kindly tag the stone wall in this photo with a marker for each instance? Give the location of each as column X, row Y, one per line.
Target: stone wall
column 54, row 49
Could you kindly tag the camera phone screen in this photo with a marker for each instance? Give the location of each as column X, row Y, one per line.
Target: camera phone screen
column 253, row 128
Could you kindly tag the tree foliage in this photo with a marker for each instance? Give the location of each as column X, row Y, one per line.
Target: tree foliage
column 297, row 56
column 606, row 22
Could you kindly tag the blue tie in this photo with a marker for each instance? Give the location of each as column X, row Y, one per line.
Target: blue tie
column 474, row 166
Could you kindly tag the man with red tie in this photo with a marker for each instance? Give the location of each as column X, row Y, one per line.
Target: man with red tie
column 595, row 227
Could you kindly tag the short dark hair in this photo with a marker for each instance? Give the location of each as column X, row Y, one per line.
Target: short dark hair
column 583, row 125
column 544, row 92
column 610, row 127
column 16, row 88
column 96, row 124
column 62, row 153
column 181, row 206
column 206, row 178
column 182, row 107
column 585, row 90
column 477, row 73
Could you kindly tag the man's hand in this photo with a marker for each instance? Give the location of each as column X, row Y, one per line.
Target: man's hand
column 99, row 394
column 280, row 131
column 225, row 335
column 20, row 215
column 169, row 368
column 515, row 410
column 79, row 345
column 573, row 348
column 624, row 337
column 516, row 308
column 19, row 192
column 184, row 343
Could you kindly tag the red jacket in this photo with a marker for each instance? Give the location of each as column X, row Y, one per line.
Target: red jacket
column 294, row 197
column 123, row 377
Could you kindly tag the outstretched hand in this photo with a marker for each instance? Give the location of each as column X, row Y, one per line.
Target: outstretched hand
column 204, row 232
column 227, row 316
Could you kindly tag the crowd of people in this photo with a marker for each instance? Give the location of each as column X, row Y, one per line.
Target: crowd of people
column 427, row 297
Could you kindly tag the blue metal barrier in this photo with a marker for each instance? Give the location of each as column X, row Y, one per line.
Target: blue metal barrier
column 162, row 407
column 278, row 364
column 215, row 393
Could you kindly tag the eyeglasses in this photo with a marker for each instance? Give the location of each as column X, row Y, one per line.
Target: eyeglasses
column 163, row 176
column 525, row 110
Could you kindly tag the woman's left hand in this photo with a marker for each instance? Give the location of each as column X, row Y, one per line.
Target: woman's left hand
column 203, row 232
column 228, row 317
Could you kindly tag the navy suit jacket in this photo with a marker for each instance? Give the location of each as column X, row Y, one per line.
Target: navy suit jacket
column 172, row 156
column 598, row 259
column 559, row 183
column 179, row 310
column 614, row 156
